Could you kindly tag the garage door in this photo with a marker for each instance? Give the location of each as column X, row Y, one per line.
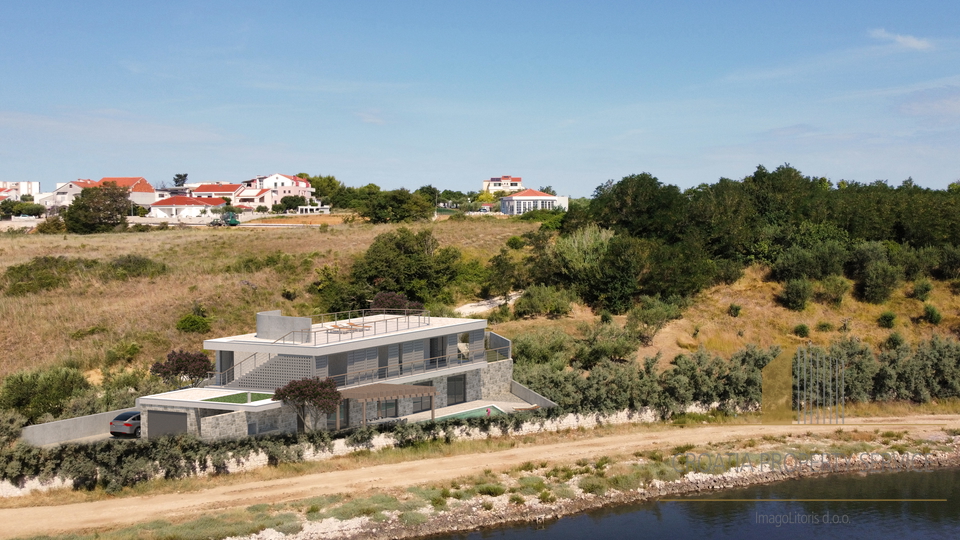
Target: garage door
column 161, row 423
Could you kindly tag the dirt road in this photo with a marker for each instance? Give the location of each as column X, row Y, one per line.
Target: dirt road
column 108, row 514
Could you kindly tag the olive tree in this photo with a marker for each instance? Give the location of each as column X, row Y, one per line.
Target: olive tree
column 319, row 396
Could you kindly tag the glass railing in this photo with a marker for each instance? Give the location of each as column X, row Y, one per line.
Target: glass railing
column 419, row 367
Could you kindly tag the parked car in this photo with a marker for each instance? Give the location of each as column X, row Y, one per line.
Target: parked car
column 127, row 423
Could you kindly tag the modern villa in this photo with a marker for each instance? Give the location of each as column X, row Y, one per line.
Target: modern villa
column 388, row 365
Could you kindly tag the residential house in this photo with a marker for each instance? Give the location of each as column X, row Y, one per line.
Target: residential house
column 389, row 365
column 219, row 189
column 531, row 199
column 182, row 206
column 504, row 183
column 165, row 192
column 269, row 190
column 66, row 192
column 16, row 190
column 140, row 191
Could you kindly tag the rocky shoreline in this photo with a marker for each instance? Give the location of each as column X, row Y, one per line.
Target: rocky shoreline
column 472, row 515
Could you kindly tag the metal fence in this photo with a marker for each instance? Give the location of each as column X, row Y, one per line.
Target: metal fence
column 820, row 383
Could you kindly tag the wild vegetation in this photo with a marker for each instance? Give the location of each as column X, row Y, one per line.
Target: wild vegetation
column 642, row 255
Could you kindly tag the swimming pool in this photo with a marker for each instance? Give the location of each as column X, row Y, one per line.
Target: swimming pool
column 479, row 412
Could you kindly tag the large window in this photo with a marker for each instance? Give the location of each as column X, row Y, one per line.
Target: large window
column 456, row 389
column 344, row 413
column 422, row 403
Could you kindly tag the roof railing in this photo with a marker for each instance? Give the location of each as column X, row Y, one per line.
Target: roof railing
column 356, row 324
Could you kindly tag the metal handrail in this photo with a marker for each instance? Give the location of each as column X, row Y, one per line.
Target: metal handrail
column 331, row 328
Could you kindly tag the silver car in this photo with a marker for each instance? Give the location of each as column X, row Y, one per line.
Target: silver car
column 127, row 423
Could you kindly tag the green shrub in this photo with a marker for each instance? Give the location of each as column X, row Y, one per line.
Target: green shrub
column 893, row 341
column 546, row 497
column 11, row 424
column 543, row 300
column 361, row 437
column 728, row 272
column 124, row 352
column 193, row 324
column 45, row 273
column 52, row 225
column 517, row 498
column 801, row 330
column 593, row 485
column 796, row 293
column 824, row 326
column 931, row 314
column 650, row 315
column 922, row 289
column 129, row 266
column 833, row 289
column 887, row 319
column 878, row 283
column 733, row 310
column 501, row 314
column 492, row 490
column 37, row 393
column 515, row 242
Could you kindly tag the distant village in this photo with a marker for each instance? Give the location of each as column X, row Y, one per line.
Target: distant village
column 260, row 194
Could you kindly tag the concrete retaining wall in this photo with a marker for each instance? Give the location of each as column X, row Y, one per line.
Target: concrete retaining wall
column 529, row 395
column 70, row 429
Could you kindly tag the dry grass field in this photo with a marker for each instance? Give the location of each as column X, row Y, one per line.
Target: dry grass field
column 36, row 330
column 764, row 322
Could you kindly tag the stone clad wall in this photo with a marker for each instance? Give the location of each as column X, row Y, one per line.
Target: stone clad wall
column 236, row 424
column 496, row 378
column 224, row 426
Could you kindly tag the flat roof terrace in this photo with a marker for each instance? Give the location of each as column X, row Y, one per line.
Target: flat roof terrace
column 343, row 327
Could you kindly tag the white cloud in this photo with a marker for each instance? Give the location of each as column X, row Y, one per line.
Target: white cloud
column 907, row 42
column 937, row 102
column 371, row 116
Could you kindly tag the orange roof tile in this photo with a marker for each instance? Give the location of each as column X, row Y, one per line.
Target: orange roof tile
column 217, row 188
column 529, row 193
column 137, row 184
column 183, row 200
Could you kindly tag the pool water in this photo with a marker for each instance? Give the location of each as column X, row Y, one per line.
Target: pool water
column 475, row 413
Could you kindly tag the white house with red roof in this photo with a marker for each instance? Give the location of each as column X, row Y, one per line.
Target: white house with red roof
column 219, row 190
column 141, row 192
column 183, row 206
column 531, row 199
column 268, row 190
column 503, row 183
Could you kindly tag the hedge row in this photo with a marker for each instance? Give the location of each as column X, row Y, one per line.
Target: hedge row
column 112, row 466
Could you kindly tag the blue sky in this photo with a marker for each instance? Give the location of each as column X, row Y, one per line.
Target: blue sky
column 566, row 94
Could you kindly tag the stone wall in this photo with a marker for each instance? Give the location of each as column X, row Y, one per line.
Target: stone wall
column 474, row 385
column 231, row 425
column 496, row 378
column 569, row 421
